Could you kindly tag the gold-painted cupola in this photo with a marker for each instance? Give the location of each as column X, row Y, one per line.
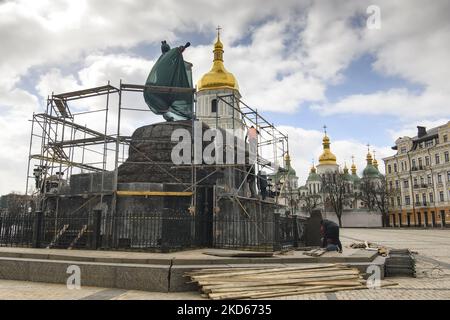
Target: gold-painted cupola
column 327, row 156
column 218, row 77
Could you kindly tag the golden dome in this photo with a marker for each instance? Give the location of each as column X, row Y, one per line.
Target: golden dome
column 353, row 168
column 369, row 158
column 327, row 156
column 218, row 77
column 345, row 169
column 287, row 158
column 375, row 163
column 313, row 169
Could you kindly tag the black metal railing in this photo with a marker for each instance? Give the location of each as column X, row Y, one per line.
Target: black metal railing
column 16, row 230
column 163, row 230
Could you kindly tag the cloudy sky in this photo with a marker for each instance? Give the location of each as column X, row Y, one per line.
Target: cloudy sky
column 302, row 63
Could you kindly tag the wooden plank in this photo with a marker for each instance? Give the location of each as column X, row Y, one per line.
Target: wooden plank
column 289, row 281
column 227, row 274
column 251, row 294
column 283, row 276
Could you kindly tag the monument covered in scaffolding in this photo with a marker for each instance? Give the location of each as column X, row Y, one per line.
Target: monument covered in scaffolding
column 102, row 186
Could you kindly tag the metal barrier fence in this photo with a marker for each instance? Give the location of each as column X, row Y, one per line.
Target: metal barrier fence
column 164, row 231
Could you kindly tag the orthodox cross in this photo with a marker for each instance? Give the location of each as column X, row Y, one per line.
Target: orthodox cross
column 325, row 129
column 218, row 30
column 353, row 159
column 368, row 147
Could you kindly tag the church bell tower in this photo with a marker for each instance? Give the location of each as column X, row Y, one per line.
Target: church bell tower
column 220, row 112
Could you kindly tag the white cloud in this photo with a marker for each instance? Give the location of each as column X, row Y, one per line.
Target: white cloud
column 400, row 103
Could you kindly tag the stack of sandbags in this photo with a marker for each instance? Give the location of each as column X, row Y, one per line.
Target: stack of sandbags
column 400, row 262
column 266, row 282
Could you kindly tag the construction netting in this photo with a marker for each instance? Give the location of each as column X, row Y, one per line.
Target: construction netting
column 170, row 71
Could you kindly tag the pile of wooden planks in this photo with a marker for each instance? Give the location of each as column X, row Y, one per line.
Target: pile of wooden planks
column 266, row 282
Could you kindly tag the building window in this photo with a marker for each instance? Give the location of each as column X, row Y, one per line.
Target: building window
column 429, row 180
column 446, row 157
column 395, row 167
column 441, row 196
column 428, row 143
column 448, row 176
column 445, row 138
column 396, row 184
column 431, row 198
column 417, row 199
column 214, row 105
column 439, row 178
column 407, row 200
column 389, row 169
column 422, row 181
column 415, row 182
column 414, row 164
column 420, row 164
column 390, row 185
column 403, row 150
column 399, row 202
column 427, row 161
column 424, row 199
column 437, row 158
column 405, row 183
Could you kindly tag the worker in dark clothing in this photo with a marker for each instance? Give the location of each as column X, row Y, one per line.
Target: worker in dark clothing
column 330, row 233
column 262, row 184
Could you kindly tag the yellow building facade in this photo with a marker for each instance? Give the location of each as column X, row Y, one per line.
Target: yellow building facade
column 418, row 179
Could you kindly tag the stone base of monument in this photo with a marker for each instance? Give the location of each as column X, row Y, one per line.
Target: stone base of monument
column 151, row 271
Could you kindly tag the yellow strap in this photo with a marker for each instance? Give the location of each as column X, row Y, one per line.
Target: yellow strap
column 154, row 193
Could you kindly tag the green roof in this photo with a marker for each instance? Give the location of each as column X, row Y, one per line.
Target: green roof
column 371, row 172
column 355, row 178
column 314, row 177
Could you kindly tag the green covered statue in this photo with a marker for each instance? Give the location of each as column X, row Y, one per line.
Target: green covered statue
column 170, row 71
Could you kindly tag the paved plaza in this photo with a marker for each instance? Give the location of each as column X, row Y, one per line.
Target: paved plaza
column 432, row 282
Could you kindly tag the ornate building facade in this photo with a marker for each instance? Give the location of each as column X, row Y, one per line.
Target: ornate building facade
column 419, row 173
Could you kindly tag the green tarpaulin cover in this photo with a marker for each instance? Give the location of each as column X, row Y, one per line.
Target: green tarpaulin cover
column 170, row 71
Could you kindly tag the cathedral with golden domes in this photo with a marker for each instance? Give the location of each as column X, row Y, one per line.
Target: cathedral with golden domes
column 328, row 166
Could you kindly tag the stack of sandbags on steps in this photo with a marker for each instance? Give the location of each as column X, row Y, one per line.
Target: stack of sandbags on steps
column 400, row 262
column 266, row 282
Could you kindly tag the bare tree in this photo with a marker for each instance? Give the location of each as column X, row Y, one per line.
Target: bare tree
column 15, row 203
column 337, row 193
column 310, row 201
column 376, row 193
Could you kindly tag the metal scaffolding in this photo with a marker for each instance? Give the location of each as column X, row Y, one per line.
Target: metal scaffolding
column 60, row 145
